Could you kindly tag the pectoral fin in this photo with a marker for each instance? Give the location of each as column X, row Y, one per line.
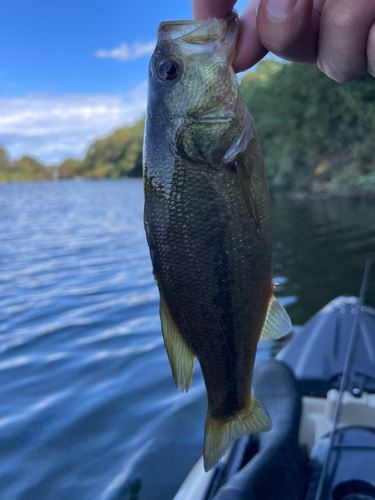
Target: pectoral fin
column 249, row 195
column 242, row 142
column 277, row 321
column 180, row 356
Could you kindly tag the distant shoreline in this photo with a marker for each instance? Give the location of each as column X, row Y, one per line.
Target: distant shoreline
column 295, row 196
column 76, row 179
column 301, row 196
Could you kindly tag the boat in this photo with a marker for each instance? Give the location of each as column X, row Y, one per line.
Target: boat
column 320, row 394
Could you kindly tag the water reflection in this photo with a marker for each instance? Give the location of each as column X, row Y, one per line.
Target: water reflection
column 320, row 247
column 89, row 408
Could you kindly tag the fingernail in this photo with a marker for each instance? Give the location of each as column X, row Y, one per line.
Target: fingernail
column 280, row 9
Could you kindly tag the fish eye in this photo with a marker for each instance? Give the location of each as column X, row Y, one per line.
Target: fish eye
column 168, row 70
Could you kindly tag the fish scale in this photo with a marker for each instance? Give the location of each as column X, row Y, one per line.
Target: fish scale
column 215, row 215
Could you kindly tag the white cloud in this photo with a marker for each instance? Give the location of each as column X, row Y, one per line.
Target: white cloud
column 127, row 52
column 53, row 127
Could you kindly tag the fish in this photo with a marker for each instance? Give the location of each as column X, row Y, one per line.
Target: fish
column 207, row 223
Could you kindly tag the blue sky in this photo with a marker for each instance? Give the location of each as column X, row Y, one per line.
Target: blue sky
column 72, row 71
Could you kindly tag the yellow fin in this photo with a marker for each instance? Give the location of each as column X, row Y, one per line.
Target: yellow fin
column 219, row 435
column 277, row 321
column 180, row 356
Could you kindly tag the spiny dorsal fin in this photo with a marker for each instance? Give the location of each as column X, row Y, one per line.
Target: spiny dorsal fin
column 180, row 356
column 277, row 321
column 218, row 435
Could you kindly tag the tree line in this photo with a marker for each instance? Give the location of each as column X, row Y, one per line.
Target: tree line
column 317, row 135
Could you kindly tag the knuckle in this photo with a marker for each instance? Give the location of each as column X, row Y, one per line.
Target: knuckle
column 334, row 73
column 278, row 41
column 371, row 51
column 340, row 14
column 371, row 39
column 281, row 45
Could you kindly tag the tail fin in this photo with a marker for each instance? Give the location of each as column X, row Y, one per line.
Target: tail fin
column 219, row 435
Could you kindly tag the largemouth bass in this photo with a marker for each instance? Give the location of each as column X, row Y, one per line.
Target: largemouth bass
column 207, row 224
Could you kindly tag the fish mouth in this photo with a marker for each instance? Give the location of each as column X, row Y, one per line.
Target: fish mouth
column 201, row 35
column 171, row 30
column 223, row 113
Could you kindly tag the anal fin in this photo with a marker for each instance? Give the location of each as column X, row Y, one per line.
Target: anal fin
column 277, row 321
column 180, row 356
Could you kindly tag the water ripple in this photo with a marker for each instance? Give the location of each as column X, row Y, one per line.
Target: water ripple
column 89, row 408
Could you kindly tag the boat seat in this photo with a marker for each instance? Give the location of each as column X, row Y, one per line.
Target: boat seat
column 279, row 469
column 318, row 352
column 350, row 474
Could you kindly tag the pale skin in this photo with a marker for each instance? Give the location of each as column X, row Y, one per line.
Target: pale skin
column 337, row 35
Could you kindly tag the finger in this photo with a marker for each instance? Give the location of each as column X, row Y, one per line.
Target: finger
column 344, row 30
column 249, row 50
column 371, row 51
column 206, row 9
column 318, row 5
column 289, row 29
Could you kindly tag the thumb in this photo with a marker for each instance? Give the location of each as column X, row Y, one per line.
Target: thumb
column 289, row 28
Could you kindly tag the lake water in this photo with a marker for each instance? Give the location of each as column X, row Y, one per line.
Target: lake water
column 88, row 407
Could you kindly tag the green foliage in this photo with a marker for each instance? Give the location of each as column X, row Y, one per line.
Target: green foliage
column 118, row 155
column 25, row 169
column 28, row 164
column 69, row 168
column 4, row 160
column 316, row 134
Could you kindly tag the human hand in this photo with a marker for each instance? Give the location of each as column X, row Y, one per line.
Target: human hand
column 338, row 35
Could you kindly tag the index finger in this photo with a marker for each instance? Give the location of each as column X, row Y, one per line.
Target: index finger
column 206, row 9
